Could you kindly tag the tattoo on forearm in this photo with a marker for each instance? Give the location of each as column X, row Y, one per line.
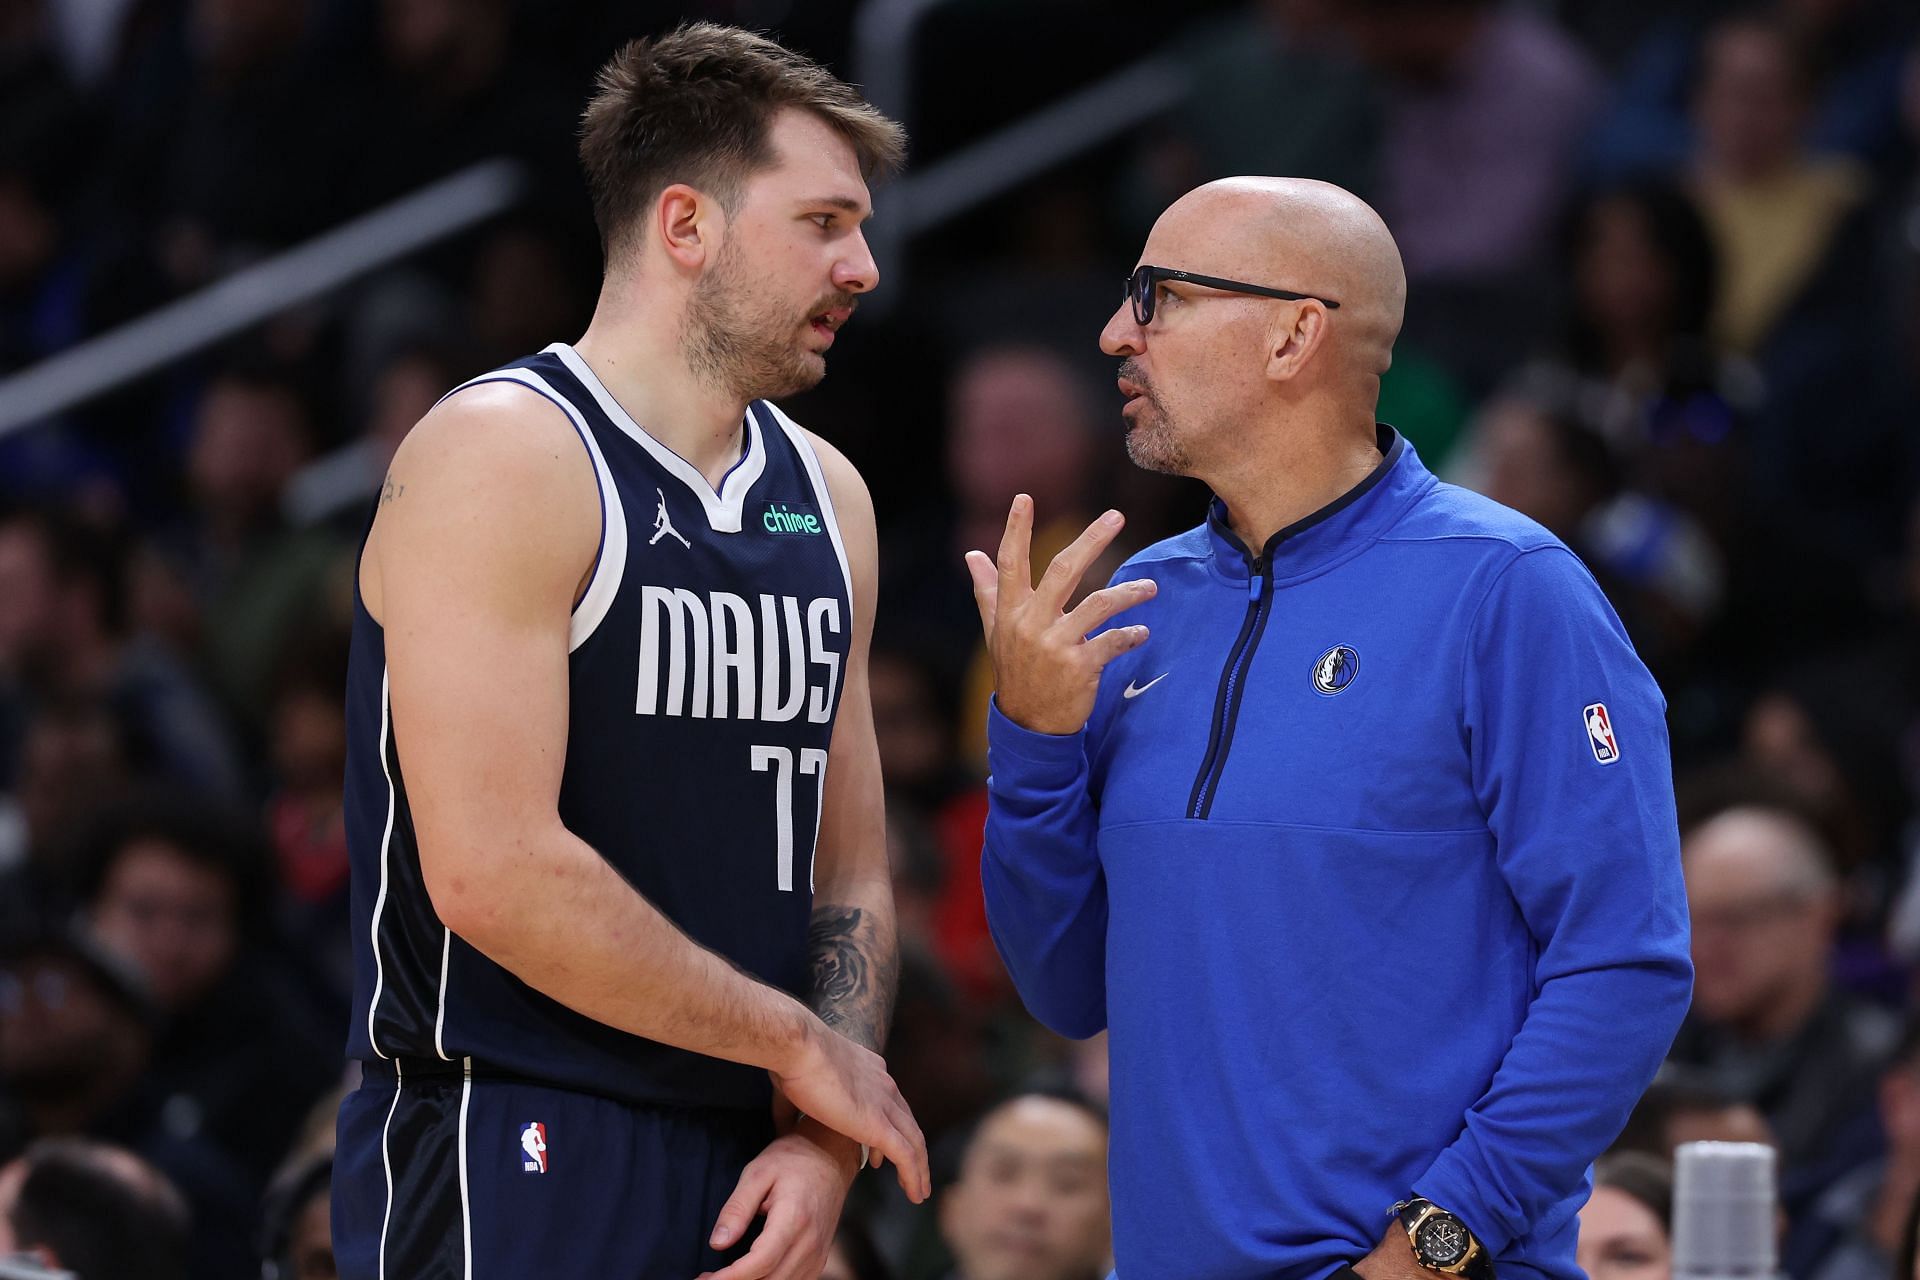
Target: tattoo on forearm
column 855, row 971
column 390, row 491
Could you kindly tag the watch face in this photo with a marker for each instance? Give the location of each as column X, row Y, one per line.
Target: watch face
column 1443, row 1239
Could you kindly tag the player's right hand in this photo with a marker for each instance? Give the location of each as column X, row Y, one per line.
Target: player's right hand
column 1046, row 672
column 846, row 1088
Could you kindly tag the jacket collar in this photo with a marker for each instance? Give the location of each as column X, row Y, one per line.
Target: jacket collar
column 1341, row 528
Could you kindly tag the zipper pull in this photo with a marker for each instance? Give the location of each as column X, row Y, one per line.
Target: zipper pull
column 1255, row 583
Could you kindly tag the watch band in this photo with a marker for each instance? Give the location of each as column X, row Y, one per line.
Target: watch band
column 1474, row 1264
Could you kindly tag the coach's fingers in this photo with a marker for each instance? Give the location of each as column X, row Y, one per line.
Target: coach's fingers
column 1016, row 574
column 1097, row 609
column 986, row 589
column 743, row 1206
column 1108, row 645
column 1064, row 574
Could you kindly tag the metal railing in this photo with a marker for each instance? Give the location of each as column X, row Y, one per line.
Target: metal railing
column 917, row 202
column 259, row 292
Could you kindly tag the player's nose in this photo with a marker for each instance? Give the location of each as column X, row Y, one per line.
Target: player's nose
column 857, row 272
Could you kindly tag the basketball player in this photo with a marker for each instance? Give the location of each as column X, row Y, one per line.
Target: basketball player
column 620, row 884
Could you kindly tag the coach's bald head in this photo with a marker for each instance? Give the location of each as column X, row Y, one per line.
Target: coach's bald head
column 1306, row 236
column 1212, row 361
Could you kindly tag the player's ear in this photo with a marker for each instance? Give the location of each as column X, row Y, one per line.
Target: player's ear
column 687, row 224
column 1291, row 344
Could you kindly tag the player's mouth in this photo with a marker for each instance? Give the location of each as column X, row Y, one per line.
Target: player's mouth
column 827, row 323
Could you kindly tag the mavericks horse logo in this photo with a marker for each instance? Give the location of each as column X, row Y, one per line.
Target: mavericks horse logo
column 1335, row 670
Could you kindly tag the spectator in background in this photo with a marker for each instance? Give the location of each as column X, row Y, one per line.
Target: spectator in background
column 306, row 813
column 1031, row 1199
column 297, row 1235
column 224, row 156
column 75, row 1044
column 96, row 1211
column 1531, row 450
column 74, row 758
column 1776, row 209
column 1019, row 420
column 255, row 581
column 1800, row 294
column 1681, row 1107
column 1484, row 103
column 1854, row 44
column 1626, row 1225
column 64, row 637
column 176, row 894
column 1864, row 1214
column 1278, row 59
column 1767, row 1025
column 338, row 488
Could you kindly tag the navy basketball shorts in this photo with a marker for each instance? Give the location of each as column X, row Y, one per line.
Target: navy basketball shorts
column 438, row 1177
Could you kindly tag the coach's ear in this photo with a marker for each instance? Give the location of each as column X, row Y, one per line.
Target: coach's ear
column 689, row 225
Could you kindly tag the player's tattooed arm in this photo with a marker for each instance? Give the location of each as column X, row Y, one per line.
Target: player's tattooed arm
column 856, row 969
column 390, row 490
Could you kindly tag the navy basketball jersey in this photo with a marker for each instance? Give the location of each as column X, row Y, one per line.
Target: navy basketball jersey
column 705, row 670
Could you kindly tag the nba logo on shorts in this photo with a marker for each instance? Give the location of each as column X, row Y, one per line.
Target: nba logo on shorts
column 533, row 1145
column 1606, row 749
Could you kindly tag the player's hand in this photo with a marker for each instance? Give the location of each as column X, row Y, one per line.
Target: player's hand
column 846, row 1088
column 799, row 1185
column 1392, row 1259
column 1046, row 672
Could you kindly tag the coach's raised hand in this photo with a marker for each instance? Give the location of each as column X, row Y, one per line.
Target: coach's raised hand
column 1046, row 672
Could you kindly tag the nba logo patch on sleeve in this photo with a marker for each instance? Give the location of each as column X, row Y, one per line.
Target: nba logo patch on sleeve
column 533, row 1147
column 1606, row 748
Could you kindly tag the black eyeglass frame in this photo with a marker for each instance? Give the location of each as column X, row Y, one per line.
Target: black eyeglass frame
column 1143, row 290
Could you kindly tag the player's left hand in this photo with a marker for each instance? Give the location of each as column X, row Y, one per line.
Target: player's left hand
column 800, row 1184
column 1392, row 1259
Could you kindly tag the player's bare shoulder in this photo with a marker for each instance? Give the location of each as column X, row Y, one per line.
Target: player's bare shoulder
column 491, row 460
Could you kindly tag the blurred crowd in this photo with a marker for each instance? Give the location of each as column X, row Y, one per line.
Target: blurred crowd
column 1665, row 299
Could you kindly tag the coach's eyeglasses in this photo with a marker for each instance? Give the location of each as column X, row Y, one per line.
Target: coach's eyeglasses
column 1143, row 290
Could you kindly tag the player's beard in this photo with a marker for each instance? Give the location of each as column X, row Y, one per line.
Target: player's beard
column 1152, row 442
column 745, row 342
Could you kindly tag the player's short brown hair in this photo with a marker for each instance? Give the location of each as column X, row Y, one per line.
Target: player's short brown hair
column 696, row 107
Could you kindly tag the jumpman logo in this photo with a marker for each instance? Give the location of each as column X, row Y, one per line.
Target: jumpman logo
column 663, row 525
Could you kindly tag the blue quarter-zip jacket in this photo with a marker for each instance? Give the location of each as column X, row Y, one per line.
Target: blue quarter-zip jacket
column 1370, row 901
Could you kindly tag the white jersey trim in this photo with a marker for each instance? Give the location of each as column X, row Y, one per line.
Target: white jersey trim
column 611, row 564
column 724, row 509
column 440, row 1023
column 386, row 843
column 386, row 1163
column 811, row 461
column 466, row 1200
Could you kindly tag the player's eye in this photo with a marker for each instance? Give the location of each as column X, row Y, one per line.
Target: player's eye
column 823, row 220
